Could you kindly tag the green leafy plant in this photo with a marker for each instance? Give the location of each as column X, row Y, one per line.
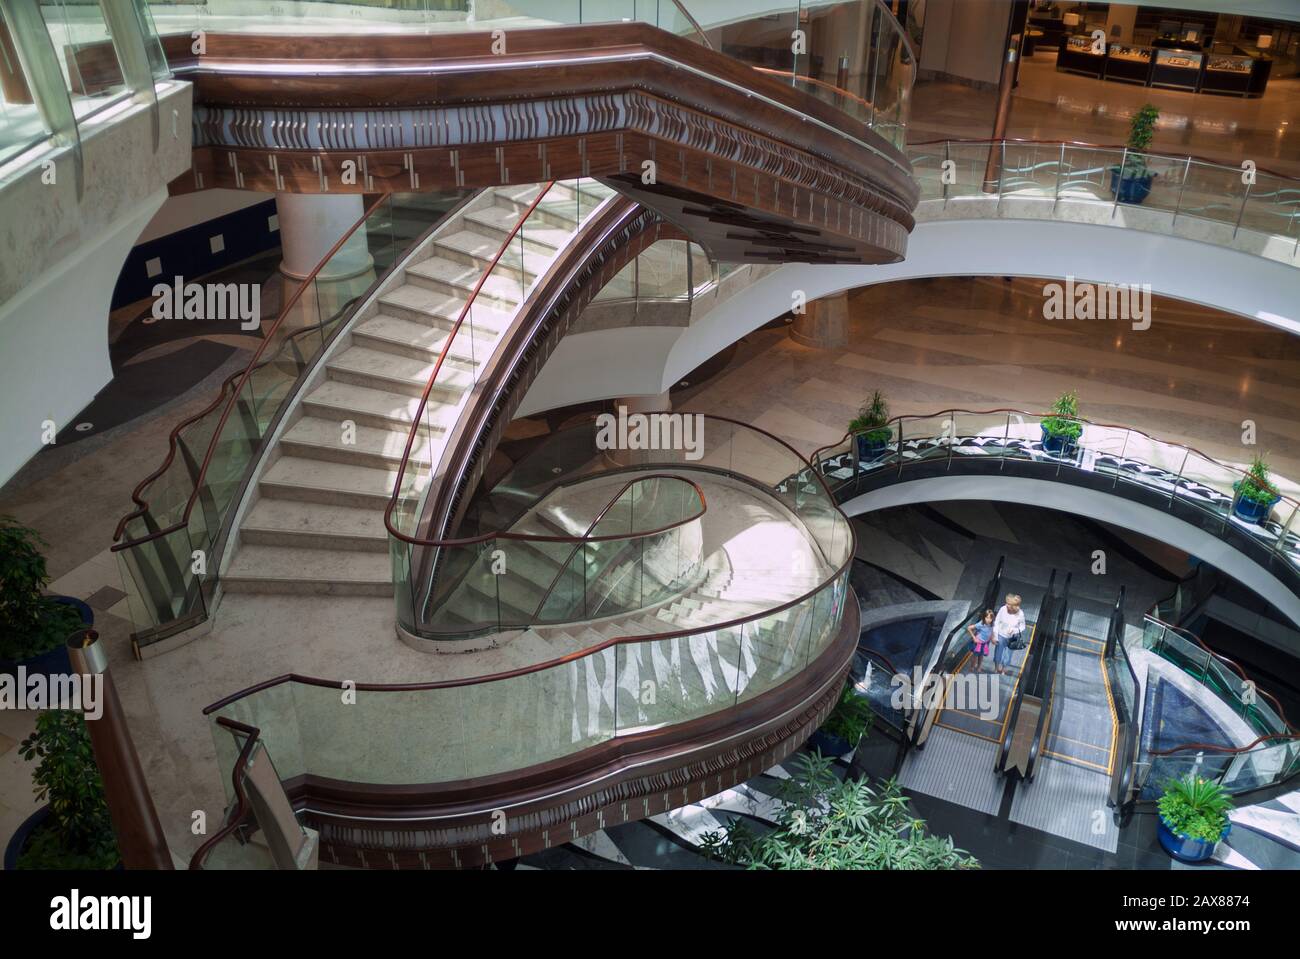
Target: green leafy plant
column 873, row 419
column 1064, row 420
column 851, row 717
column 1257, row 486
column 1195, row 807
column 79, row 832
column 30, row 622
column 1142, row 129
column 826, row 823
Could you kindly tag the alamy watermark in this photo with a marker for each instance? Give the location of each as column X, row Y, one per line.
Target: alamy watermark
column 651, row 431
column 23, row 690
column 979, row 693
column 1073, row 300
column 209, row 301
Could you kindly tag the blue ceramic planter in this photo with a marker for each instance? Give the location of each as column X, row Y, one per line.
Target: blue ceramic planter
column 1058, row 445
column 19, row 839
column 1130, row 188
column 1253, row 512
column 52, row 661
column 870, row 448
column 1185, row 848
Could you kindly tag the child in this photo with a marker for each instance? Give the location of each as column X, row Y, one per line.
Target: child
column 981, row 637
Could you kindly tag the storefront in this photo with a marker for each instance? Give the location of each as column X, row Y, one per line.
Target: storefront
column 1196, row 51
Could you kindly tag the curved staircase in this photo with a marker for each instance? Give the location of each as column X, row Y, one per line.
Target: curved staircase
column 317, row 522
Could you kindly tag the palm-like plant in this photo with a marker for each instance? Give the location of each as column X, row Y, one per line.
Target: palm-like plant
column 826, row 823
column 872, row 419
column 1141, row 131
column 1064, row 420
column 1257, row 486
column 1195, row 807
column 851, row 717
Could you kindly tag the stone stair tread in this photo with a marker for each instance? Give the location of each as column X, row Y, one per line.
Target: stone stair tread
column 431, row 339
column 317, row 431
column 502, row 284
column 486, row 320
column 320, row 474
column 309, row 565
column 398, row 407
column 286, row 515
column 503, row 220
column 359, row 359
column 485, row 248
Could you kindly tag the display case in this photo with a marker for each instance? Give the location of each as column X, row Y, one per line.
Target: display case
column 1227, row 74
column 1178, row 69
column 1077, row 56
column 1128, row 63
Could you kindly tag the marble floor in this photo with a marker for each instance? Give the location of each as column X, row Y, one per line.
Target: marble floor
column 1050, row 105
column 981, row 343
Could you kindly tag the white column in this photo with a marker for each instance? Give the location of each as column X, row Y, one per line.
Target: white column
column 310, row 224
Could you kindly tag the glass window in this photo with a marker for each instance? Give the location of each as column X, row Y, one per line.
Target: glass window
column 85, row 53
column 21, row 123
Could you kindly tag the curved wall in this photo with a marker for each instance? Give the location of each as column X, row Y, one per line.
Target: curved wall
column 1252, row 286
column 1094, row 504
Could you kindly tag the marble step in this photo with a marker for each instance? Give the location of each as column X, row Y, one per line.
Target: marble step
column 392, row 334
column 374, row 369
column 383, row 409
column 333, row 484
column 478, row 249
column 417, row 303
column 284, row 522
column 318, row 438
column 288, row 569
column 499, row 221
column 503, row 289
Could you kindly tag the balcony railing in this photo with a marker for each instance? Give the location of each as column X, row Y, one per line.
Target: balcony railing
column 1182, row 186
column 1121, row 455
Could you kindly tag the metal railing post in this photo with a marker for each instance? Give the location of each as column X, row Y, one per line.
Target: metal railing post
column 1119, row 183
column 1242, row 212
column 1060, row 168
column 1178, row 206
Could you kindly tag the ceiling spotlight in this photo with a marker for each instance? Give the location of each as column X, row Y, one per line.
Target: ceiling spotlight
column 84, row 427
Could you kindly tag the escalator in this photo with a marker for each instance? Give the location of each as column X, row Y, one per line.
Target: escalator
column 1034, row 699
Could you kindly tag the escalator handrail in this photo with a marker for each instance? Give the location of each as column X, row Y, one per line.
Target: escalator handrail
column 1052, row 657
column 991, row 590
column 1026, row 675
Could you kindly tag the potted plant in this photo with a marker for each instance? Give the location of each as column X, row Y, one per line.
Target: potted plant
column 74, row 830
column 824, row 822
column 1062, row 429
column 847, row 723
column 1193, row 818
column 1132, row 183
column 871, row 427
column 34, row 628
column 1256, row 494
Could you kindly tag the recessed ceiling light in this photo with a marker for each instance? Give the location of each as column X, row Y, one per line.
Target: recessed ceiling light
column 84, row 427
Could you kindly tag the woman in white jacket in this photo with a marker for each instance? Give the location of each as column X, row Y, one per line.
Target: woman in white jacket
column 1007, row 626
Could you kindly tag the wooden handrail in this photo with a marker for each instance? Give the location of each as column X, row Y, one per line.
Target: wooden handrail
column 253, row 364
column 588, row 538
column 252, row 736
column 442, row 358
